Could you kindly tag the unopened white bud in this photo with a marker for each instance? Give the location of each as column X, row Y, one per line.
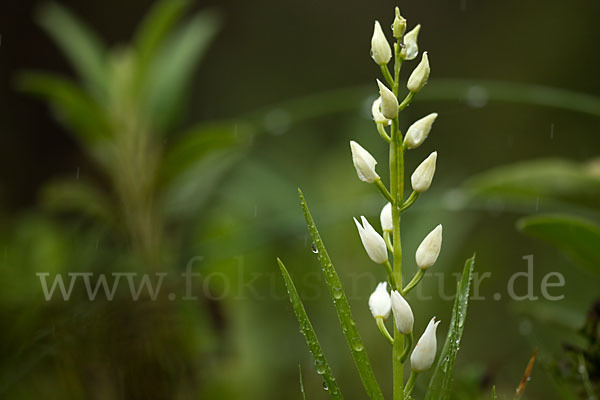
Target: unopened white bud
column 389, row 102
column 429, row 249
column 424, row 352
column 372, row 241
column 364, row 163
column 423, row 175
column 380, row 48
column 387, row 223
column 403, row 314
column 399, row 25
column 380, row 302
column 376, row 111
column 418, row 132
column 411, row 47
column 419, row 76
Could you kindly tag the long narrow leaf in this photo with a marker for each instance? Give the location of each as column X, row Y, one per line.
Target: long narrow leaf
column 308, row 331
column 154, row 28
column 440, row 385
column 342, row 307
column 301, row 382
column 199, row 142
column 85, row 51
column 173, row 65
column 578, row 238
column 77, row 109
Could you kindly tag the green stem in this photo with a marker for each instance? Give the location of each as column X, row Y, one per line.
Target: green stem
column 390, row 273
column 587, row 384
column 410, row 384
column 410, row 201
column 397, row 66
column 388, row 241
column 380, row 185
column 386, row 74
column 413, row 282
column 406, row 101
column 397, row 189
column 397, row 350
column 407, row 347
column 383, row 330
column 383, row 133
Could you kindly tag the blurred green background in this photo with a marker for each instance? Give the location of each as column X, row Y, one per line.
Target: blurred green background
column 183, row 142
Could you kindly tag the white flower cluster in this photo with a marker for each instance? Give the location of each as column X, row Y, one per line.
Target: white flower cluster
column 385, row 110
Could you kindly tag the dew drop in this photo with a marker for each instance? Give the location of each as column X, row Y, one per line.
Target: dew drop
column 337, row 292
column 357, row 345
column 313, row 247
column 320, row 367
column 325, row 387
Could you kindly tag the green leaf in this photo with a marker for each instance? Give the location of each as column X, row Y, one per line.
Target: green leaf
column 82, row 115
column 301, row 382
column 312, row 341
column 80, row 196
column 578, row 238
column 154, row 28
column 173, row 66
column 555, row 179
column 195, row 165
column 80, row 45
column 200, row 141
column 342, row 307
column 440, row 385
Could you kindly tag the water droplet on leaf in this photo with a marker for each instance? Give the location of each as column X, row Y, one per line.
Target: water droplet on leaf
column 314, row 248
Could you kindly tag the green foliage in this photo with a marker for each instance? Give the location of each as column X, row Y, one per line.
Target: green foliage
column 128, row 96
column 440, row 385
column 75, row 107
column 153, row 30
column 321, row 365
column 555, row 179
column 355, row 343
column 576, row 237
column 85, row 51
column 173, row 66
column 301, row 382
column 80, row 196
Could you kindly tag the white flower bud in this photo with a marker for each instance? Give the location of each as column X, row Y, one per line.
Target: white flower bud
column 429, row 249
column 403, row 314
column 411, row 47
column 380, row 48
column 389, row 102
column 387, row 224
column 380, row 302
column 364, row 163
column 376, row 111
column 372, row 241
column 418, row 132
column 423, row 175
column 399, row 25
column 419, row 76
column 424, row 352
